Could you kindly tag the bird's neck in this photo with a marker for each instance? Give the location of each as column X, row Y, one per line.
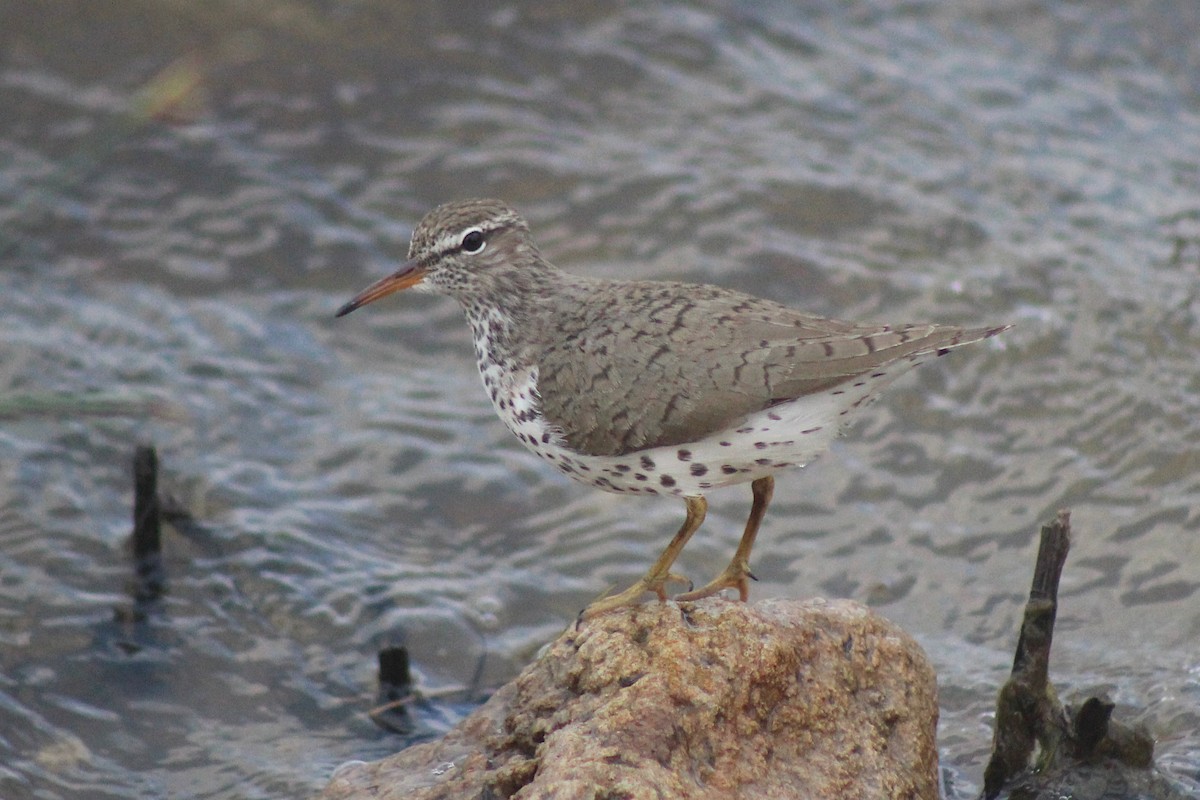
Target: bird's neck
column 510, row 320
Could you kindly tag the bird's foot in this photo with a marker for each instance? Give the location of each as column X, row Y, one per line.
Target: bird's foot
column 735, row 576
column 633, row 595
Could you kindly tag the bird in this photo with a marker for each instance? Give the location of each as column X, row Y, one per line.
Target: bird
column 653, row 387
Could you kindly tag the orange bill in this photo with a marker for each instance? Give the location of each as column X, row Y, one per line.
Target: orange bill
column 410, row 274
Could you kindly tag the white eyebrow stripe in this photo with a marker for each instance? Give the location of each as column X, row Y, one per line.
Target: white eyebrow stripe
column 445, row 244
column 452, row 241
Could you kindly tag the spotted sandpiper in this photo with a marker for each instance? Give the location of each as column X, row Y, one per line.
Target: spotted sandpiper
column 648, row 387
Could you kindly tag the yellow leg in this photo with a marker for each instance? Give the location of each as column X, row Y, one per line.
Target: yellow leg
column 659, row 574
column 735, row 575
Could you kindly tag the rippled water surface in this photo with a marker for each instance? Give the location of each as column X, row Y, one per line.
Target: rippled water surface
column 189, row 191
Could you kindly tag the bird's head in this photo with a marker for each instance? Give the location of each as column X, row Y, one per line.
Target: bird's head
column 467, row 249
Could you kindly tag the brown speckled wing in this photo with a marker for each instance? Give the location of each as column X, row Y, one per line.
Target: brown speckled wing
column 656, row 364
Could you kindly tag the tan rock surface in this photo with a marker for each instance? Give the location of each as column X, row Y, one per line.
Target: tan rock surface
column 709, row 700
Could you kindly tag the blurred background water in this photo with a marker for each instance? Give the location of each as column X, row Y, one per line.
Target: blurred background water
column 189, row 190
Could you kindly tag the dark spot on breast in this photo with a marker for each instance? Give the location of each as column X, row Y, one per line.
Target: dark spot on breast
column 729, row 469
column 639, row 476
column 726, row 444
column 623, row 468
column 647, row 463
column 699, row 469
column 667, row 481
column 773, row 416
column 684, row 455
column 760, row 445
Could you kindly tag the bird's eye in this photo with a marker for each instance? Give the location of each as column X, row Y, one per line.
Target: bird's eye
column 472, row 241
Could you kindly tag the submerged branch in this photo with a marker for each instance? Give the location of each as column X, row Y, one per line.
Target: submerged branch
column 1081, row 752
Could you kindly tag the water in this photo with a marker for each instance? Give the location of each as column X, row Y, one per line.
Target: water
column 187, row 193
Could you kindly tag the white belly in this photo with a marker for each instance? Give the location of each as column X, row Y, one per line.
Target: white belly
column 787, row 435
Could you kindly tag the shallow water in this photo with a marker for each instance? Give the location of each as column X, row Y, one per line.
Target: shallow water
column 188, row 192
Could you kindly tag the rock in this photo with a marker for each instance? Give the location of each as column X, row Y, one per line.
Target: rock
column 706, row 700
